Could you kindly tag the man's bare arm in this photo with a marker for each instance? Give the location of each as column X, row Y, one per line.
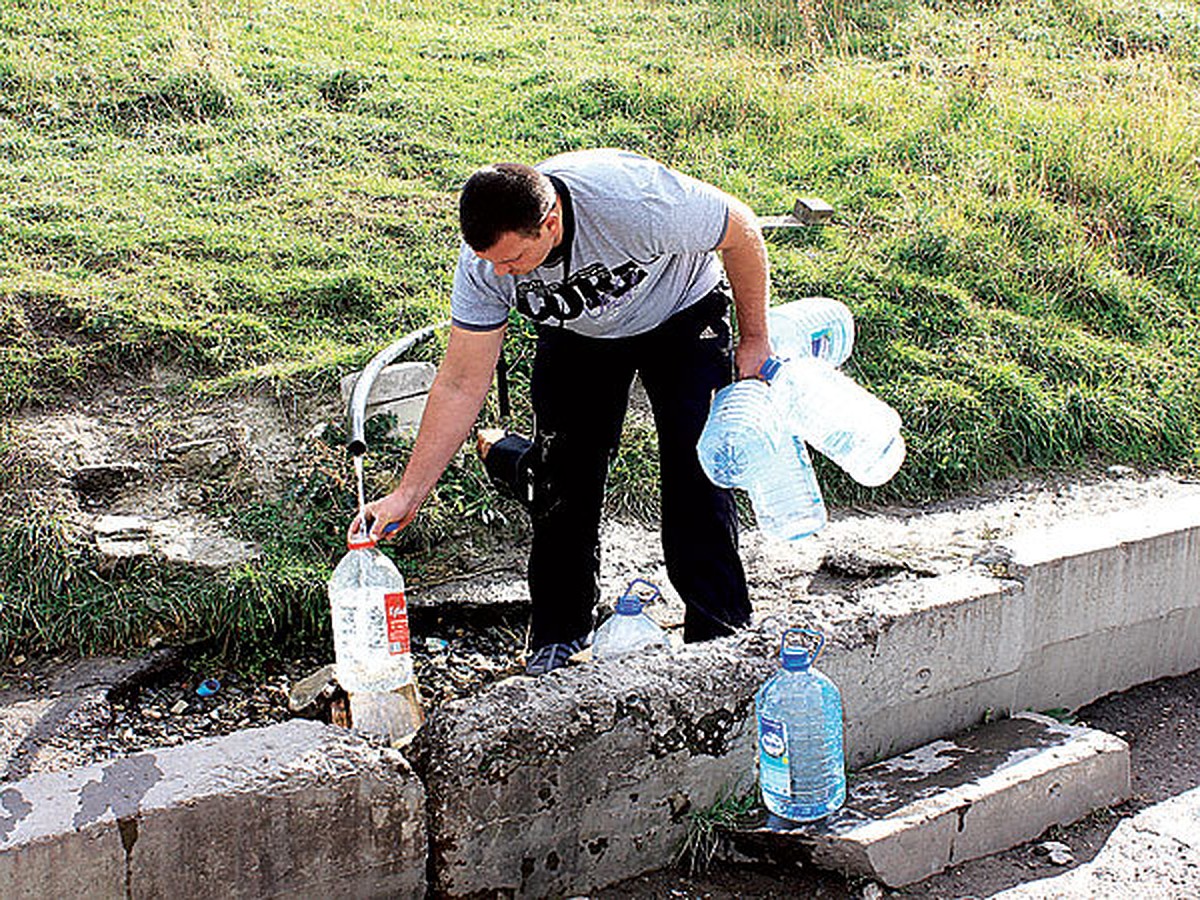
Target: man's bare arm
column 745, row 256
column 455, row 399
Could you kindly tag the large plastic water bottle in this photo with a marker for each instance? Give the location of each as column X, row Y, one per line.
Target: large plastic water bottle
column 814, row 326
column 741, row 433
column 785, row 494
column 370, row 621
column 801, row 763
column 629, row 629
column 743, row 445
column 851, row 426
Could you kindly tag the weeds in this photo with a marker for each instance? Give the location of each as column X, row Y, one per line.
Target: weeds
column 264, row 195
column 707, row 830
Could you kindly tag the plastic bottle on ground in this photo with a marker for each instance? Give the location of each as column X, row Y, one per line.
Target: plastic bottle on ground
column 814, row 326
column 370, row 621
column 845, row 422
column 801, row 762
column 629, row 629
column 743, row 445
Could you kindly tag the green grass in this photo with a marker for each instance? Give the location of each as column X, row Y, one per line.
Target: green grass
column 707, row 829
column 262, row 194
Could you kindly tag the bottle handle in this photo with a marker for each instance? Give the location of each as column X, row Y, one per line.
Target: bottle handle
column 655, row 594
column 790, row 641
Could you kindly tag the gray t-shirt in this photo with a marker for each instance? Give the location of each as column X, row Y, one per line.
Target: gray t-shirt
column 637, row 247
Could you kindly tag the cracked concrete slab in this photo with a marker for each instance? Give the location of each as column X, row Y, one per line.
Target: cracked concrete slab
column 296, row 809
column 1155, row 854
column 960, row 798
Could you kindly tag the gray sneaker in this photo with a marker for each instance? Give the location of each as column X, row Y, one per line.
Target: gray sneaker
column 553, row 656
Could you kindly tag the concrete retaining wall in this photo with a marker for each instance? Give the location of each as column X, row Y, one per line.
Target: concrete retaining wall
column 298, row 810
column 592, row 781
column 558, row 785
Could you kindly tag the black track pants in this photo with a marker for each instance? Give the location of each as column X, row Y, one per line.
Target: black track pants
column 580, row 390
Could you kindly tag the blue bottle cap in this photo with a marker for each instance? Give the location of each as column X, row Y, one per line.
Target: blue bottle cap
column 796, row 650
column 770, row 368
column 208, row 687
column 630, row 604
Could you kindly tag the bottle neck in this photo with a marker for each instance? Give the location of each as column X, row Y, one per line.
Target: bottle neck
column 629, row 605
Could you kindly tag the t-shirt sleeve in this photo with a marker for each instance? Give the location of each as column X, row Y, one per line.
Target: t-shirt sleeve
column 477, row 302
column 682, row 214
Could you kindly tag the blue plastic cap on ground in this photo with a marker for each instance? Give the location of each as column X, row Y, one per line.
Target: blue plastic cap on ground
column 208, row 687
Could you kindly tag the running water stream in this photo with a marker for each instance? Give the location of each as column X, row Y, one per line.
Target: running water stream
column 358, row 475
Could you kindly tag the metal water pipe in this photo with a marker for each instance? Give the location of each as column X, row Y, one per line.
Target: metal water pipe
column 356, row 411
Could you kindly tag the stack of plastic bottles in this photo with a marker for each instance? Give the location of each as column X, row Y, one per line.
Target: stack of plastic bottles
column 757, row 430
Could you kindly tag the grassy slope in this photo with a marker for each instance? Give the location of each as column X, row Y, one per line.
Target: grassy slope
column 264, row 192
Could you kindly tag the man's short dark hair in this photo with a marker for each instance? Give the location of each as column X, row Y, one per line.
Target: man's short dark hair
column 501, row 198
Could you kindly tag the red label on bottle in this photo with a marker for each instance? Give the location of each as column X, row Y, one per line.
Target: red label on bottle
column 397, row 622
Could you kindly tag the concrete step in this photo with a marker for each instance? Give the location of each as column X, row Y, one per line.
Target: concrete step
column 986, row 790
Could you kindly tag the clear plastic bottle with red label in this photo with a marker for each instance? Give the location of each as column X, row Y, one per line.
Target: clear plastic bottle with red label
column 370, row 621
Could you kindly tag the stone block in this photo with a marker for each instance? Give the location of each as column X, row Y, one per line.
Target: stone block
column 407, row 412
column 398, row 381
column 949, row 801
column 577, row 779
column 297, row 809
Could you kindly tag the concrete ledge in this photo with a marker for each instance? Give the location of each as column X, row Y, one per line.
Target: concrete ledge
column 297, row 809
column 959, row 799
column 591, row 784
column 560, row 784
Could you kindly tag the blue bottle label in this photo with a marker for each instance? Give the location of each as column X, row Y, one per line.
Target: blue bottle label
column 774, row 772
column 820, row 341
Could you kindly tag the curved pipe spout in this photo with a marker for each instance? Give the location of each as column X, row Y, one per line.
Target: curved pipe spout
column 356, row 411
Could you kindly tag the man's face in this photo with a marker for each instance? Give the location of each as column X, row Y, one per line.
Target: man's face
column 520, row 254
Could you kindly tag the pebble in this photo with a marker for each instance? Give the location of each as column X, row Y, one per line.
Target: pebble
column 179, row 707
column 1057, row 852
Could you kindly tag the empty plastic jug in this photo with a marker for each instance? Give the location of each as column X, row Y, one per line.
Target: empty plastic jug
column 785, row 494
column 742, row 431
column 370, row 620
column 629, row 629
column 742, row 445
column 845, row 422
column 801, row 763
column 814, row 326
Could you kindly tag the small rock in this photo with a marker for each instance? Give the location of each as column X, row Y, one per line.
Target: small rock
column 311, row 695
column 1059, row 858
column 872, row 891
column 180, row 706
column 1058, row 853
